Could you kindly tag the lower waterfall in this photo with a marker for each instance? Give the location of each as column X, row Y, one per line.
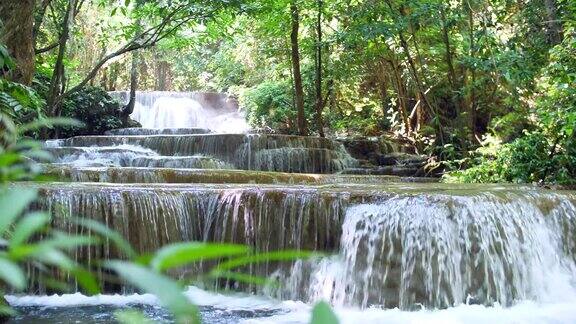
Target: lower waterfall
column 406, row 246
column 390, row 249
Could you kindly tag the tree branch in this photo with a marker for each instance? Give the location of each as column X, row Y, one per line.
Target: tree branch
column 47, row 48
column 159, row 32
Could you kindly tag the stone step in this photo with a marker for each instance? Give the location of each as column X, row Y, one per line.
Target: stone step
column 172, row 175
column 157, row 131
column 284, row 153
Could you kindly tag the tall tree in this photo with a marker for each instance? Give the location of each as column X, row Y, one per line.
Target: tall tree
column 17, row 34
column 553, row 23
column 295, row 55
column 319, row 101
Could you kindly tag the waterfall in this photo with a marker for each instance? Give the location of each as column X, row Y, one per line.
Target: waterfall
column 242, row 151
column 406, row 246
column 386, row 242
column 166, row 110
column 444, row 251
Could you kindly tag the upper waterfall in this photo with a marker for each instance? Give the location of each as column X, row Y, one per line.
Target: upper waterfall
column 167, row 109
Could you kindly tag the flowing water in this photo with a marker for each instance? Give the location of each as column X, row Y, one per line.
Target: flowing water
column 397, row 250
column 161, row 109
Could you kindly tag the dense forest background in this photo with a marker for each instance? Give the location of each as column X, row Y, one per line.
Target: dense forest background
column 486, row 89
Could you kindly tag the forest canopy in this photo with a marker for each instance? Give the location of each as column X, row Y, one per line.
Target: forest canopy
column 486, row 89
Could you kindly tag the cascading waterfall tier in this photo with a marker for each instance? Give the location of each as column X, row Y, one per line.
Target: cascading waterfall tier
column 394, row 245
column 190, row 175
column 166, row 109
column 178, row 175
column 248, row 152
column 157, row 131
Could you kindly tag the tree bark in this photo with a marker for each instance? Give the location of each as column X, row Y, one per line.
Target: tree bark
column 554, row 25
column 17, row 34
column 129, row 108
column 470, row 101
column 446, row 39
column 298, row 90
column 319, row 101
column 57, row 81
column 38, row 20
column 401, row 94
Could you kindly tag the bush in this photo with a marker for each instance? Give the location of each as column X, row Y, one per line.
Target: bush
column 548, row 152
column 531, row 158
column 96, row 109
column 269, row 105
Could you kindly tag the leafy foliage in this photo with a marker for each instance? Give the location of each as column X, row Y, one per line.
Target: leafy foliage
column 95, row 109
column 547, row 153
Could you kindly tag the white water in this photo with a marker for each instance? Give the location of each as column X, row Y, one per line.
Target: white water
column 183, row 110
column 410, row 251
column 516, row 241
column 298, row 312
column 117, row 155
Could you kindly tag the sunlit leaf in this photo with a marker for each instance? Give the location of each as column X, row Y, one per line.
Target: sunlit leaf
column 132, row 317
column 179, row 254
column 87, row 280
column 288, row 255
column 168, row 292
column 244, row 278
column 323, row 314
column 105, row 232
column 27, row 226
column 12, row 203
column 11, row 274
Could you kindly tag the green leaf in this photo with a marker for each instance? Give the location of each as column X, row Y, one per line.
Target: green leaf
column 168, row 291
column 56, row 258
column 323, row 314
column 6, row 310
column 132, row 317
column 105, row 232
column 180, row 254
column 12, row 203
column 87, row 280
column 67, row 242
column 288, row 255
column 9, row 158
column 244, row 278
column 27, row 226
column 12, row 274
column 49, row 122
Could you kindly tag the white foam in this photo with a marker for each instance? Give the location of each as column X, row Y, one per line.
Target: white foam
column 172, row 110
column 525, row 312
column 196, row 295
column 298, row 312
column 78, row 299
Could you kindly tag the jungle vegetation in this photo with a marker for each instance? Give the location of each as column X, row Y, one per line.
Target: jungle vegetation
column 486, row 89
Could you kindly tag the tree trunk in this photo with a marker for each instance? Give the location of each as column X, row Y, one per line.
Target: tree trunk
column 401, row 94
column 470, row 102
column 57, row 81
column 39, row 19
column 163, row 76
column 114, row 72
column 319, row 101
column 129, row 108
column 17, row 34
column 554, row 25
column 298, row 90
column 422, row 97
column 446, row 38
